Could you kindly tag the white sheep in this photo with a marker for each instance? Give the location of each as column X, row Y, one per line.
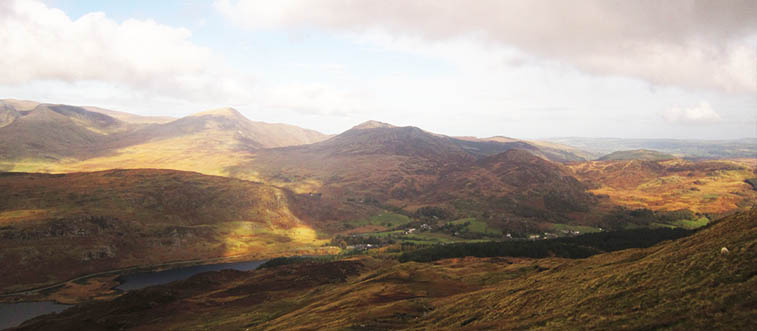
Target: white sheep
column 724, row 251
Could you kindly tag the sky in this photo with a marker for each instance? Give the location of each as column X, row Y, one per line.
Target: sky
column 525, row 69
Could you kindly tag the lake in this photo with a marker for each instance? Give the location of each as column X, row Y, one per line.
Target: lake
column 149, row 278
column 13, row 314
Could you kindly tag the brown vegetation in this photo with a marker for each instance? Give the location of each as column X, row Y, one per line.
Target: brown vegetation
column 684, row 284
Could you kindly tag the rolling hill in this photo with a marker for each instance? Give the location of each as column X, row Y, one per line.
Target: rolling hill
column 637, row 154
column 681, row 285
column 706, row 186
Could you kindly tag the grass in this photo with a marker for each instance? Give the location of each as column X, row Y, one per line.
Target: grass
column 385, row 219
column 478, row 226
column 430, row 238
column 692, row 224
column 21, row 214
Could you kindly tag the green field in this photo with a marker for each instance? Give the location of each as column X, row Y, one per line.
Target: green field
column 477, row 226
column 387, row 219
column 692, row 224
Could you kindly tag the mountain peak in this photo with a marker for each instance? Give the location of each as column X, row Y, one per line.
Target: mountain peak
column 225, row 112
column 372, row 125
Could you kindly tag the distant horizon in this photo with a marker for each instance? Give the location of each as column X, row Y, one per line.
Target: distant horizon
column 368, row 120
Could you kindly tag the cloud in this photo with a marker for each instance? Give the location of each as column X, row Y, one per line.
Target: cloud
column 699, row 114
column 314, row 99
column 41, row 43
column 688, row 43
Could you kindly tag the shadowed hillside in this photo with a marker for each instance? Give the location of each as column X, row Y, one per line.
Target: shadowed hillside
column 517, row 183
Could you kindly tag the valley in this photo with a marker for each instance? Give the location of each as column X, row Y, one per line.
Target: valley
column 378, row 165
column 680, row 284
column 103, row 194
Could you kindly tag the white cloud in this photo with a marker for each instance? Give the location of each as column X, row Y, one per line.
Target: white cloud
column 688, row 43
column 314, row 99
column 699, row 114
column 41, row 43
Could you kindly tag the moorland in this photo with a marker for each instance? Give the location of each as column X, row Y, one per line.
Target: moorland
column 413, row 228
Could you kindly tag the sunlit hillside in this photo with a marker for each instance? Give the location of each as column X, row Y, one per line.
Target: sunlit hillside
column 702, row 186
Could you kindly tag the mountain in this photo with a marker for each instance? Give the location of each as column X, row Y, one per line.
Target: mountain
column 408, row 168
column 59, row 138
column 231, row 124
column 685, row 284
column 53, row 132
column 637, row 154
column 693, row 149
column 375, row 138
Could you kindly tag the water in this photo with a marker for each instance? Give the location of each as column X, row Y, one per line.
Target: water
column 13, row 314
column 150, row 278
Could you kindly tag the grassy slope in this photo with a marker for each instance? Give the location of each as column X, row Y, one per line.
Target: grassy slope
column 684, row 284
column 704, row 186
column 88, row 222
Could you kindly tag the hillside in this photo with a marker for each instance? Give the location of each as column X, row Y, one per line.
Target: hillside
column 637, row 154
column 701, row 186
column 514, row 185
column 681, row 285
column 55, row 227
